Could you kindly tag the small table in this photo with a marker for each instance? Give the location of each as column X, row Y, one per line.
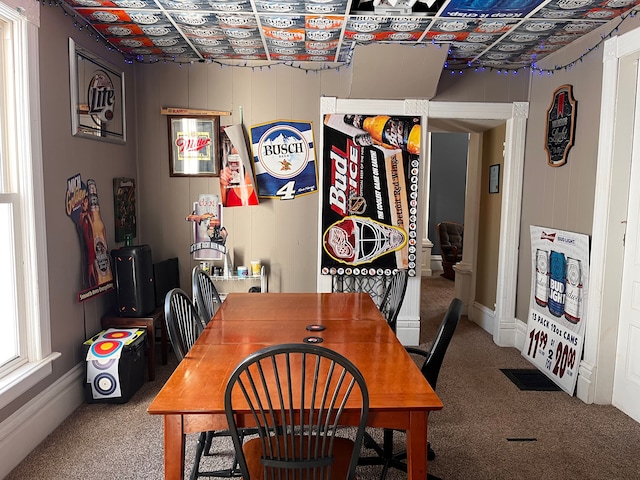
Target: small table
column 150, row 322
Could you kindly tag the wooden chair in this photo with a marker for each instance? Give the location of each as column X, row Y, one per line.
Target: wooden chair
column 205, row 294
column 430, row 368
column 296, row 394
column 184, row 325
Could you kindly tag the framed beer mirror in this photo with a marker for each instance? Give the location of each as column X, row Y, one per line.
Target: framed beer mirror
column 97, row 97
column 193, row 145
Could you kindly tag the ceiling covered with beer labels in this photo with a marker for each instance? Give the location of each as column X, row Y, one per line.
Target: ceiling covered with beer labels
column 509, row 34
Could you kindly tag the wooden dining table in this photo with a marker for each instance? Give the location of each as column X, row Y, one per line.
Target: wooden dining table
column 192, row 399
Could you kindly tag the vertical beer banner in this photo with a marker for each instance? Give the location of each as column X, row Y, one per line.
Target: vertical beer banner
column 559, row 291
column 370, row 194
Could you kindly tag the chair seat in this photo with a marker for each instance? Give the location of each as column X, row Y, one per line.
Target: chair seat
column 343, row 449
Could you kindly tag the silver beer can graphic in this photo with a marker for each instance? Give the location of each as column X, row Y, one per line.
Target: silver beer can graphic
column 573, row 295
column 557, row 280
column 542, row 277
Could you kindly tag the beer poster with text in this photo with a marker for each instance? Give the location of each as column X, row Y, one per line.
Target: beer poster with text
column 83, row 208
column 560, row 287
column 370, row 194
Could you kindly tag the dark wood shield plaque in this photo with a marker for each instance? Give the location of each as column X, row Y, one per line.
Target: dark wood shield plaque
column 561, row 126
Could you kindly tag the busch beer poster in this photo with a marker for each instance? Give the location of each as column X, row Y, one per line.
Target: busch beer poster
column 370, row 194
column 285, row 159
column 559, row 291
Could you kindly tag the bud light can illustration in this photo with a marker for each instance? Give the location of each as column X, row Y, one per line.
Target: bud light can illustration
column 573, row 295
column 557, row 276
column 542, row 277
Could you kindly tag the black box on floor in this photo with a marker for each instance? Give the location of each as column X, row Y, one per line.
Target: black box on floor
column 109, row 379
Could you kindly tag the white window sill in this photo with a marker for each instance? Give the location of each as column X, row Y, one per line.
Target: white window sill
column 23, row 378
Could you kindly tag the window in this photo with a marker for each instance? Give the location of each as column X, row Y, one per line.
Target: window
column 25, row 344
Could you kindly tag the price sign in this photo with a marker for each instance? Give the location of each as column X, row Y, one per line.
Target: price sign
column 560, row 283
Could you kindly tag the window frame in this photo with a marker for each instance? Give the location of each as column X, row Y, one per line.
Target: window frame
column 23, row 188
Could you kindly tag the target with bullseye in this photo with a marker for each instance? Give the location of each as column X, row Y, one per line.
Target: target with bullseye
column 105, row 384
column 106, row 348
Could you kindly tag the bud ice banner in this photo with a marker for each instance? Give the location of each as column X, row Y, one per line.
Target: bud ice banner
column 559, row 292
column 285, row 159
column 370, row 196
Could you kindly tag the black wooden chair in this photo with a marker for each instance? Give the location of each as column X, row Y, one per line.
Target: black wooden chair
column 205, row 294
column 184, row 325
column 430, row 368
column 296, row 394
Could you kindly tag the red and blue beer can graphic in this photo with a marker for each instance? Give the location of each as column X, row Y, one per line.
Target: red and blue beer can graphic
column 573, row 293
column 557, row 282
column 542, row 277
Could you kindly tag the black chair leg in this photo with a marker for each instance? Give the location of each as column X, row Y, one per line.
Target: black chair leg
column 199, row 449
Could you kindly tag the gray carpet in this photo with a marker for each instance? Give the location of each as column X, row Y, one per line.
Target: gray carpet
column 478, row 435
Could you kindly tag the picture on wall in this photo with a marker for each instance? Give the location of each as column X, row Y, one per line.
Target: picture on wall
column 284, row 158
column 193, row 146
column 97, row 97
column 124, row 208
column 370, row 194
column 83, row 208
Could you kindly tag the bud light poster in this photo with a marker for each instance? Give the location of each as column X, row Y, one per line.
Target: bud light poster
column 370, row 194
column 83, row 208
column 285, row 159
column 559, row 291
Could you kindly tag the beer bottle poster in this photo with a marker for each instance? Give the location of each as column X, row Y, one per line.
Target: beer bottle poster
column 559, row 292
column 236, row 180
column 83, row 208
column 370, row 194
column 284, row 158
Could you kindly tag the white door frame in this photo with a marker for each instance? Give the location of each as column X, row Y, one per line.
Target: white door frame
column 506, row 330
column 595, row 380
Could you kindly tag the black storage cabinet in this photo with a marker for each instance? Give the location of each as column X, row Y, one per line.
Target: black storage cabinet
column 130, row 369
column 133, row 268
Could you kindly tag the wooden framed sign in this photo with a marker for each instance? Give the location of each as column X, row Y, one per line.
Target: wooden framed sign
column 561, row 126
column 193, row 146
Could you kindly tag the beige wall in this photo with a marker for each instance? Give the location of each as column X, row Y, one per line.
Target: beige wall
column 559, row 197
column 489, row 219
column 282, row 234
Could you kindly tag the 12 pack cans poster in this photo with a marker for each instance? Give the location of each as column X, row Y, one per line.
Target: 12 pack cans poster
column 370, row 194
column 559, row 291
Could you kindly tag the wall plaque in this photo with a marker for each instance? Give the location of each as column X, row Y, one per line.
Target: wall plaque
column 561, row 126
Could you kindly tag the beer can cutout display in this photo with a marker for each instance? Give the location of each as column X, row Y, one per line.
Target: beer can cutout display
column 555, row 328
column 557, row 270
column 542, row 277
column 83, row 207
column 370, row 194
column 573, row 295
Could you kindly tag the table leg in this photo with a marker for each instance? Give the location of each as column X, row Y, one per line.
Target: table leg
column 417, row 446
column 173, row 447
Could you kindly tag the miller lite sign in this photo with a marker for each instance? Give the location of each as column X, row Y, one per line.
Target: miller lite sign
column 284, row 159
column 97, row 97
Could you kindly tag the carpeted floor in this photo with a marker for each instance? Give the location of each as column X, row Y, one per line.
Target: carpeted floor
column 489, row 429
